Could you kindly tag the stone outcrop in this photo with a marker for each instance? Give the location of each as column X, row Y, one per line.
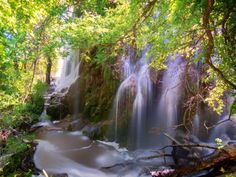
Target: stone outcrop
column 91, row 94
column 56, row 108
column 97, row 87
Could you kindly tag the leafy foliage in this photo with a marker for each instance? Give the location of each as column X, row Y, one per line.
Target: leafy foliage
column 14, row 112
column 219, row 143
column 215, row 97
column 36, row 102
column 186, row 27
column 28, row 36
column 31, row 32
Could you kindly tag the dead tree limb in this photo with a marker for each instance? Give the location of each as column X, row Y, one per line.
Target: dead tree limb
column 223, row 121
column 190, row 146
column 155, row 156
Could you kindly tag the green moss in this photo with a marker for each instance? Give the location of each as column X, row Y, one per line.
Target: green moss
column 97, row 92
column 17, row 143
column 15, row 151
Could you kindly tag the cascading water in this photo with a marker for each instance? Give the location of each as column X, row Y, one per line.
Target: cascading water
column 68, row 70
column 171, row 92
column 143, row 110
column 196, row 125
column 136, row 92
column 143, row 119
column 142, row 100
column 67, row 74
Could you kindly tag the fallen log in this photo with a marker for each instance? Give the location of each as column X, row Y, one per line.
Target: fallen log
column 218, row 160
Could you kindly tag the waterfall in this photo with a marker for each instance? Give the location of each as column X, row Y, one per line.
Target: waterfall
column 143, row 110
column 171, row 92
column 134, row 92
column 67, row 73
column 68, row 69
column 151, row 115
column 141, row 101
column 196, row 125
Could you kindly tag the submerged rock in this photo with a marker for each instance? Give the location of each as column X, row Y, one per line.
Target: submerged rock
column 98, row 130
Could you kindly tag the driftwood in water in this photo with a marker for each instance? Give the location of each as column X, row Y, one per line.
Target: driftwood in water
column 190, row 158
column 216, row 160
column 219, row 158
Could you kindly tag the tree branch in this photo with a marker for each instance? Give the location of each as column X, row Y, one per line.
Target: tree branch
column 146, row 13
column 210, row 43
column 223, row 121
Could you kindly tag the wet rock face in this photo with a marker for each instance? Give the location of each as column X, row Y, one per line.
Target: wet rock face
column 97, row 88
column 56, row 108
column 71, row 97
column 97, row 131
column 92, row 93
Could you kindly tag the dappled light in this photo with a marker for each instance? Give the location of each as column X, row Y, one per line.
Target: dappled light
column 117, row 88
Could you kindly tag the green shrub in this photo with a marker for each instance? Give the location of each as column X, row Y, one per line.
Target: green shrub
column 36, row 103
column 15, row 112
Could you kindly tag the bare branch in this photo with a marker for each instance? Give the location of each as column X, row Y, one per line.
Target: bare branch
column 155, row 156
column 190, row 146
column 172, row 139
column 223, row 121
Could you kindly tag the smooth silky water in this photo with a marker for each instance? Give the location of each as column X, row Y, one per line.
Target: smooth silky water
column 142, row 112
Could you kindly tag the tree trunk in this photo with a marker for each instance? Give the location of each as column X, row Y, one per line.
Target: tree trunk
column 48, row 70
column 16, row 65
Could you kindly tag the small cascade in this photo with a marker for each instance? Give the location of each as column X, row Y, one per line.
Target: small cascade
column 142, row 101
column 43, row 117
column 171, row 92
column 56, row 106
column 196, row 125
column 145, row 124
column 68, row 70
column 134, row 93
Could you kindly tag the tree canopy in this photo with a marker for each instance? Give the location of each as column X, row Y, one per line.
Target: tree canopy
column 32, row 33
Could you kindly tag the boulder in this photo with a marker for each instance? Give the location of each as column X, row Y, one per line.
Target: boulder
column 97, row 130
column 56, row 108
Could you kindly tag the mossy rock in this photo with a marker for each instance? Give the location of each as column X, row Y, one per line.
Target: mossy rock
column 17, row 164
column 97, row 130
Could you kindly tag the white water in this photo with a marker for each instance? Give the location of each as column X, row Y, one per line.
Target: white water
column 137, row 88
column 77, row 156
column 196, row 125
column 171, row 92
column 68, row 69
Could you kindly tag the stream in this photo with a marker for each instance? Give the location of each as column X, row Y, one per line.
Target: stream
column 145, row 117
column 74, row 154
